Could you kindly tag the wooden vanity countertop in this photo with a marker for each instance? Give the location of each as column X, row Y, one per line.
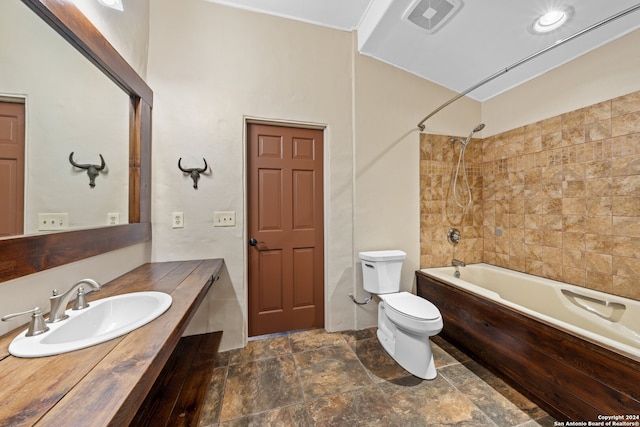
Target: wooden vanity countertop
column 104, row 385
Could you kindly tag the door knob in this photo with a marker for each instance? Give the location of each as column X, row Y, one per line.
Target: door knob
column 253, row 242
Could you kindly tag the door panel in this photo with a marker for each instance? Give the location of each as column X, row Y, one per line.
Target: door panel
column 303, row 149
column 303, row 200
column 303, row 271
column 11, row 169
column 271, row 299
column 285, row 211
column 270, row 147
column 270, row 199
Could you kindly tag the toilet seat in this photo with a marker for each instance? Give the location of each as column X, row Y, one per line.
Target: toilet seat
column 411, row 305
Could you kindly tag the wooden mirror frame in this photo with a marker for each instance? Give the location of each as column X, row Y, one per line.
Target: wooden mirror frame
column 24, row 255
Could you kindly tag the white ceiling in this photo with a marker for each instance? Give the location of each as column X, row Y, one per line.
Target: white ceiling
column 480, row 39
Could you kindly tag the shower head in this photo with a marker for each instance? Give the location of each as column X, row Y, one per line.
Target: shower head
column 475, row 129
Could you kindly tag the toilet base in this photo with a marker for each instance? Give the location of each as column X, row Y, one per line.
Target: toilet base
column 411, row 351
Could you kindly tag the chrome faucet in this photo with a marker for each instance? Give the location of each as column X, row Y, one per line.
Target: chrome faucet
column 457, row 263
column 59, row 302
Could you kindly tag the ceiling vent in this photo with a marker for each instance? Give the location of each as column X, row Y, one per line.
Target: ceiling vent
column 431, row 15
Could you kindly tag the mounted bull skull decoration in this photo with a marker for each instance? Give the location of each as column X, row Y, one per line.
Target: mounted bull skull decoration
column 92, row 170
column 194, row 172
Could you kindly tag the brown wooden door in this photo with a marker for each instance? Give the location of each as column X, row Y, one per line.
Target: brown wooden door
column 11, row 169
column 285, row 213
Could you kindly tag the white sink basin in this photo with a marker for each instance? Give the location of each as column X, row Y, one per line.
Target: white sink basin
column 102, row 321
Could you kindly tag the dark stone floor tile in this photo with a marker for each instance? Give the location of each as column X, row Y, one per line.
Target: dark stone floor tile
column 352, row 337
column 374, row 357
column 362, row 334
column 260, row 349
column 530, row 423
column 314, row 339
column 501, row 411
column 363, row 407
column 210, row 414
column 408, row 381
column 441, row 357
column 259, row 386
column 519, row 400
column 222, row 359
column 330, row 370
column 450, row 349
column 288, row 416
column 546, row 421
column 433, row 403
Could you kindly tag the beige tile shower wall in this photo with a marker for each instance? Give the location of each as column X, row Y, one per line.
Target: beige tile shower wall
column 438, row 212
column 561, row 197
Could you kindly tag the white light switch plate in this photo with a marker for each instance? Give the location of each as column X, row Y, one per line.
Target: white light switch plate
column 224, row 219
column 53, row 221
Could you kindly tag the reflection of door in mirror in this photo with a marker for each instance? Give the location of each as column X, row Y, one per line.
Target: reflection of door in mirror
column 11, row 168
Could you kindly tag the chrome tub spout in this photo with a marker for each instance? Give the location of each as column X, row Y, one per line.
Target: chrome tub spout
column 458, row 263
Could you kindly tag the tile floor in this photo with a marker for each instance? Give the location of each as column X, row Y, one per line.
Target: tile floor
column 315, row 378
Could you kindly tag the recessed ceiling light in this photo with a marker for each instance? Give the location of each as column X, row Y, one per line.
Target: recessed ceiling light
column 113, row 4
column 552, row 20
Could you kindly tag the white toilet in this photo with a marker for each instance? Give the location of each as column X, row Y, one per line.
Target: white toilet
column 405, row 321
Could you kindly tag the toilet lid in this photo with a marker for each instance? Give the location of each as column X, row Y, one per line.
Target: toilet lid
column 412, row 305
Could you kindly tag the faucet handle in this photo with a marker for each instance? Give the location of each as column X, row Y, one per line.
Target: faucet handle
column 81, row 301
column 37, row 325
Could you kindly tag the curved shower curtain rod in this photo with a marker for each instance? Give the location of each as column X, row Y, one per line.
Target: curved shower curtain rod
column 421, row 125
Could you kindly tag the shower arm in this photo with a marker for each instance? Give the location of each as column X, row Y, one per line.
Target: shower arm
column 421, row 125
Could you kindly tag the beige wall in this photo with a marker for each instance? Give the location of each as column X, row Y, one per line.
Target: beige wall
column 388, row 104
column 211, row 67
column 127, row 31
column 605, row 73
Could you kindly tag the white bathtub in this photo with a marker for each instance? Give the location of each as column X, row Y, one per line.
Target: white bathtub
column 604, row 319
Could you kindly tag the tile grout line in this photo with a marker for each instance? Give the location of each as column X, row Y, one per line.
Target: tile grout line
column 444, row 377
column 377, row 385
column 295, row 363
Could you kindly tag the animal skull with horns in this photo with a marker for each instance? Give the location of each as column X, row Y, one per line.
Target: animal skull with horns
column 92, row 170
column 194, row 172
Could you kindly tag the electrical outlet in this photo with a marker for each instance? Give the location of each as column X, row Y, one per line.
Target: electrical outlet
column 224, row 219
column 113, row 218
column 53, row 221
column 177, row 220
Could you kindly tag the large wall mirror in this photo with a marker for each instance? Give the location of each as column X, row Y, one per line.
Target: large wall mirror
column 78, row 95
column 69, row 106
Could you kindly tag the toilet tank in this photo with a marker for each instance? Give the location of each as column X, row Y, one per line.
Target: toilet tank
column 381, row 270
